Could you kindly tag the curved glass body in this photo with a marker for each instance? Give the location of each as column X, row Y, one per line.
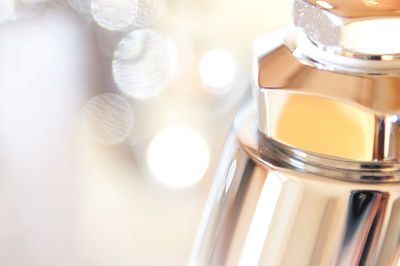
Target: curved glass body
column 311, row 172
column 262, row 211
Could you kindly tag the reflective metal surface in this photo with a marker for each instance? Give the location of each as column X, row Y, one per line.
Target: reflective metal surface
column 260, row 213
column 351, row 28
column 359, row 8
column 357, row 115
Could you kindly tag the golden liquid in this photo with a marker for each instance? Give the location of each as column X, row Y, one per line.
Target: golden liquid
column 326, row 126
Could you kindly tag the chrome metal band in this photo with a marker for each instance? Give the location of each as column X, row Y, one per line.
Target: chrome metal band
column 285, row 156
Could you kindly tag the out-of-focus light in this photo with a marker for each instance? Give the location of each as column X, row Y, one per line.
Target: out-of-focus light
column 325, row 4
column 144, row 63
column 178, row 157
column 13, row 215
column 114, row 14
column 368, row 36
column 108, row 118
column 217, row 70
column 149, row 11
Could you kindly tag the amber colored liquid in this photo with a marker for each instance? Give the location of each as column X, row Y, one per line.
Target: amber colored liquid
column 326, row 126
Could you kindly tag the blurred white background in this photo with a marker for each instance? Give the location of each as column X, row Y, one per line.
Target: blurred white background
column 113, row 114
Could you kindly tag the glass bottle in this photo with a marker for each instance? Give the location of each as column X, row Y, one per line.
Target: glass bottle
column 310, row 173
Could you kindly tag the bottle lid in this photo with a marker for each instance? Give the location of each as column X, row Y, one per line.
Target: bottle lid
column 355, row 28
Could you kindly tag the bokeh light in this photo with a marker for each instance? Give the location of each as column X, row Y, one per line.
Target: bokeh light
column 144, row 63
column 108, row 118
column 58, row 58
column 114, row 14
column 217, row 71
column 149, row 11
column 178, row 157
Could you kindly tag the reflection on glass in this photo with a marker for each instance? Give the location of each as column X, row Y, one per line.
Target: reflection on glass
column 370, row 2
column 261, row 220
column 325, row 4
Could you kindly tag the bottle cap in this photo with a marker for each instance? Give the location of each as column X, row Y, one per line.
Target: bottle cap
column 353, row 28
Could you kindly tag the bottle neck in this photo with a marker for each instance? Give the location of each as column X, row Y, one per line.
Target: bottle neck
column 342, row 60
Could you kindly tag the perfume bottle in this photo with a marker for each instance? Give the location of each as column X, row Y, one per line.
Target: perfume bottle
column 310, row 174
